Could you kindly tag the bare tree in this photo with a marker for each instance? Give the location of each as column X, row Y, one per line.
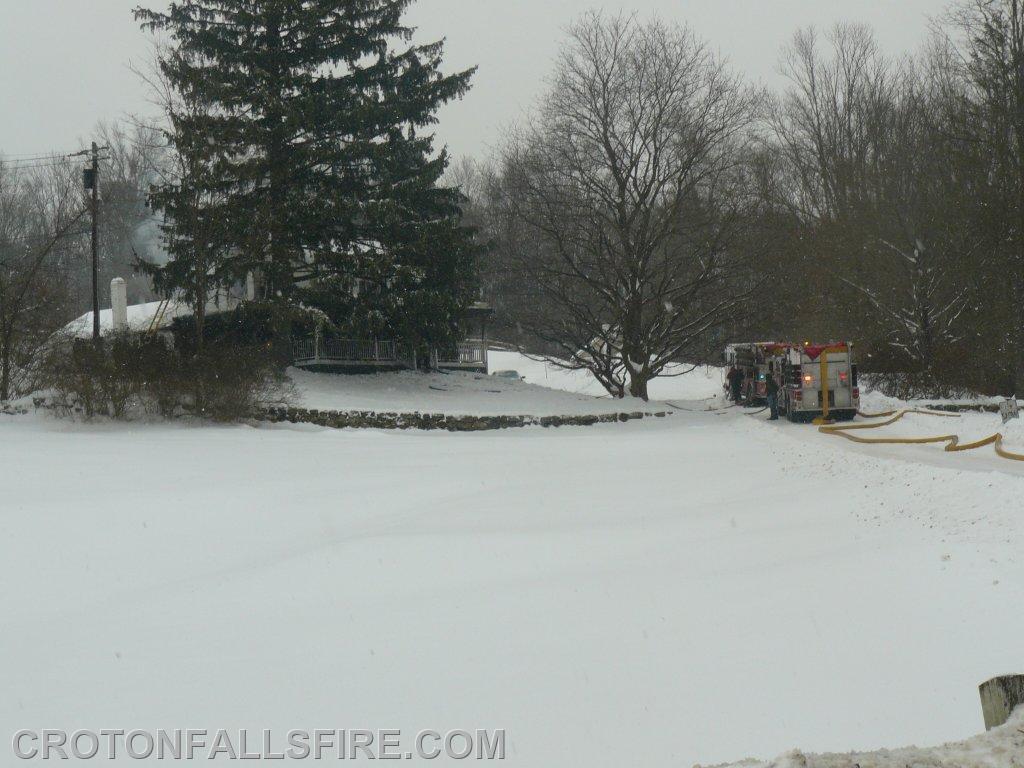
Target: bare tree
column 40, row 217
column 627, row 190
column 867, row 160
column 990, row 41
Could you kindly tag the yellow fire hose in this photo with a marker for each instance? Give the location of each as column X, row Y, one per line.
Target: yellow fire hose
column 891, row 417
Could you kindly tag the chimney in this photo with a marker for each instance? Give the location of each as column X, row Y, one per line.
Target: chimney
column 119, row 304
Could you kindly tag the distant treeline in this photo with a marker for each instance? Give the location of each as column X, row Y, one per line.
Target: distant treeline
column 653, row 206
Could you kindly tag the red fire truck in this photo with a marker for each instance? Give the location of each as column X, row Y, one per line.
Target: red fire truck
column 807, row 374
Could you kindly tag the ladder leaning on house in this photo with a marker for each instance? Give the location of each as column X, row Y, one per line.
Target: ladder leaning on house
column 158, row 317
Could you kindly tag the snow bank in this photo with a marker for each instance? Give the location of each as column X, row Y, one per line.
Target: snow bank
column 873, row 401
column 1012, row 431
column 999, row 748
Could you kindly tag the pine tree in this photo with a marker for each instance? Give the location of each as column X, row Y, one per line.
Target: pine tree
column 308, row 144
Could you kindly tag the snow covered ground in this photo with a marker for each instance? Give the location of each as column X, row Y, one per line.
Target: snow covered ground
column 702, row 588
column 456, row 393
column 680, row 382
column 1001, row 747
column 545, row 390
column 968, row 426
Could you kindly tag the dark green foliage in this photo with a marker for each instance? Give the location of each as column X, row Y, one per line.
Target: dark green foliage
column 304, row 157
column 250, row 325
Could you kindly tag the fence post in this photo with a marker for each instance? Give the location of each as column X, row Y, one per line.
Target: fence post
column 999, row 697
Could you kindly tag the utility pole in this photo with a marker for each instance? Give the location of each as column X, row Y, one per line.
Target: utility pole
column 95, row 242
column 91, row 179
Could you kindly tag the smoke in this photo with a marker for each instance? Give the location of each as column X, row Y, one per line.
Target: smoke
column 148, row 241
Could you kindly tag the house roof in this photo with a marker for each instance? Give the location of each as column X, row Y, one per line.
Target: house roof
column 141, row 316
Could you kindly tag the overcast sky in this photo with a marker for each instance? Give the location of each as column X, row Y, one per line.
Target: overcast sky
column 64, row 63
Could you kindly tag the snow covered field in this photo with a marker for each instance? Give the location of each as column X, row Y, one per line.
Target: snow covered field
column 703, row 588
column 545, row 390
column 456, row 393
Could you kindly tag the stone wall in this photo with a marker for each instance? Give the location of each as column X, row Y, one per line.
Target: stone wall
column 394, row 420
column 378, row 420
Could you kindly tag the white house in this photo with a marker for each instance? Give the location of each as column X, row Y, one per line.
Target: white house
column 317, row 353
column 151, row 317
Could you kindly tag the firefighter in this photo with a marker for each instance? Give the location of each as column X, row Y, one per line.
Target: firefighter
column 771, row 388
column 735, row 378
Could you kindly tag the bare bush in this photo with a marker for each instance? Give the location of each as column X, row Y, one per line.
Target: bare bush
column 129, row 375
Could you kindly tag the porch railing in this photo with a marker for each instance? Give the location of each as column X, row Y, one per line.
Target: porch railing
column 303, row 349
column 387, row 351
column 466, row 353
column 346, row 350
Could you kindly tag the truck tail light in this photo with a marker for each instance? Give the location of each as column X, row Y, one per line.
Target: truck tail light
column 856, row 393
column 798, row 395
column 808, row 378
column 844, row 377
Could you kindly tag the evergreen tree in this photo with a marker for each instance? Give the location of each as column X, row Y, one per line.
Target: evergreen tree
column 307, row 148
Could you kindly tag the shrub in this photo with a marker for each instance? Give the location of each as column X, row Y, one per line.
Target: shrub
column 128, row 374
column 89, row 378
column 232, row 383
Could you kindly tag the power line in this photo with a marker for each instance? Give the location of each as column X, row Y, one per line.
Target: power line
column 30, row 163
column 36, row 158
column 42, row 163
column 30, row 157
column 33, row 165
column 28, row 160
column 33, row 155
column 23, row 238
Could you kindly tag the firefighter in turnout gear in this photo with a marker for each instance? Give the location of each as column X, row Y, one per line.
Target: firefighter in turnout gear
column 735, row 378
column 771, row 387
